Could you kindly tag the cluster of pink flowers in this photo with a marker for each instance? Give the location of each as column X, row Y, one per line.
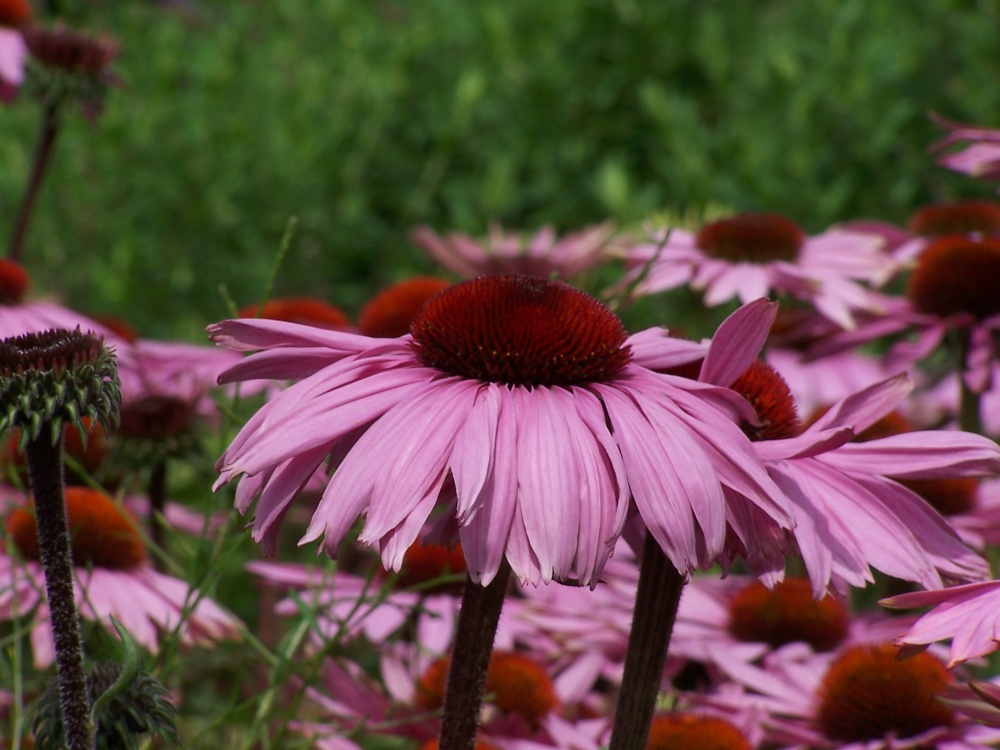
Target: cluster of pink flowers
column 453, row 434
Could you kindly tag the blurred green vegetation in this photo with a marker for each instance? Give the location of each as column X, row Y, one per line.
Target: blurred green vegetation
column 366, row 117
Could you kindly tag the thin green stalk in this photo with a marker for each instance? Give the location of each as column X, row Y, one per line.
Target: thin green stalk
column 470, row 660
column 45, row 469
column 656, row 600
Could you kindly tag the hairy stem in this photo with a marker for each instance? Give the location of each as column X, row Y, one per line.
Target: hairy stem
column 45, row 469
column 470, row 660
column 656, row 600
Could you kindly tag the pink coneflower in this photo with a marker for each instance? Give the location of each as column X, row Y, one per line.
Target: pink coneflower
column 848, row 513
column 973, row 219
column 113, row 578
column 13, row 15
column 752, row 255
column 864, row 697
column 524, row 392
column 543, row 254
column 950, row 293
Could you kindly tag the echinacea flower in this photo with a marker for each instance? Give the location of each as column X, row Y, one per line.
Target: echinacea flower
column 972, row 218
column 751, row 255
column 849, row 513
column 864, row 697
column 523, row 392
column 390, row 312
column 543, row 254
column 951, row 294
column 113, row 577
column 13, row 15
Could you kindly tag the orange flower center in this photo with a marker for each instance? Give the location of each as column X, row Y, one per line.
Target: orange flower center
column 787, row 614
column 14, row 13
column 752, row 238
column 967, row 217
column 424, row 564
column 868, row 692
column 520, row 330
column 102, row 533
column 14, row 282
column 310, row 312
column 515, row 684
column 687, row 731
column 391, row 312
column 957, row 275
column 769, row 395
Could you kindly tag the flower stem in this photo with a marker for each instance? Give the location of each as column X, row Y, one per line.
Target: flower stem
column 470, row 660
column 40, row 162
column 45, row 469
column 157, row 506
column 970, row 417
column 656, row 600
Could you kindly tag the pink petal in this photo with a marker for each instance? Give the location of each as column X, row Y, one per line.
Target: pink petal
column 737, row 342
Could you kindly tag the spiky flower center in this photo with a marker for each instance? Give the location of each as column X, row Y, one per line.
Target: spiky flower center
column 957, row 275
column 54, row 378
column 14, row 13
column 102, row 533
column 425, row 565
column 304, row 310
column 868, row 692
column 14, row 282
column 687, row 731
column 752, row 238
column 948, row 496
column 520, row 330
column 391, row 312
column 787, row 614
column 770, row 397
column 516, row 684
column 966, row 217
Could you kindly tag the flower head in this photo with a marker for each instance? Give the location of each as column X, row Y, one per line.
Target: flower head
column 523, row 396
column 752, row 255
column 391, row 311
column 543, row 254
column 55, row 378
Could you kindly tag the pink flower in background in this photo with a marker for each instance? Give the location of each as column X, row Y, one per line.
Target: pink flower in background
column 863, row 697
column 951, row 294
column 13, row 15
column 749, row 256
column 979, row 155
column 519, row 393
column 113, row 578
column 968, row 615
column 543, row 254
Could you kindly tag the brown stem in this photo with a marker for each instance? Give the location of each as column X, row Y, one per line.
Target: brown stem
column 470, row 660
column 46, row 472
column 40, row 162
column 157, row 506
column 656, row 600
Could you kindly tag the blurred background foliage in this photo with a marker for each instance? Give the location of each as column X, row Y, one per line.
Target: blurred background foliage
column 367, row 117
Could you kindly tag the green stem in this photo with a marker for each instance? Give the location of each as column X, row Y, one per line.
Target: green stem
column 40, row 162
column 45, row 469
column 470, row 660
column 656, row 600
